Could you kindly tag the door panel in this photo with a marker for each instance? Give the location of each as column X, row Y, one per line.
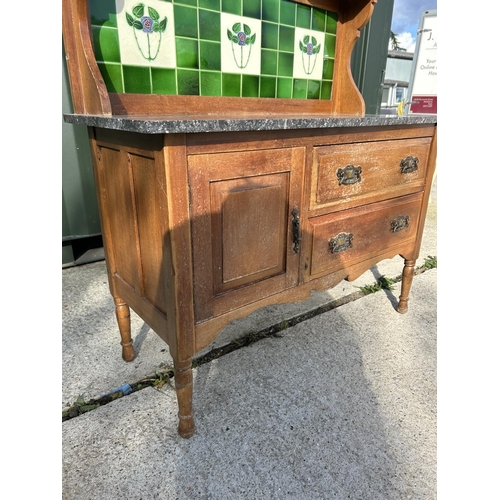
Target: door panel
column 241, row 208
column 249, row 227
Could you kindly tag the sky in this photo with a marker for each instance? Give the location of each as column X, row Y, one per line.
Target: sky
column 405, row 20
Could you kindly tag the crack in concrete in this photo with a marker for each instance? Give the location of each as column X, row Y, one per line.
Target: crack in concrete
column 251, row 338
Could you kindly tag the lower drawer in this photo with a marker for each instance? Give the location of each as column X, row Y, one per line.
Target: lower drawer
column 346, row 238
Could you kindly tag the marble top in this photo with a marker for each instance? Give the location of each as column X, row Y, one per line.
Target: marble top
column 163, row 124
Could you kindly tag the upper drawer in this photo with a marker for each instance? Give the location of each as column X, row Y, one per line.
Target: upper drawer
column 363, row 172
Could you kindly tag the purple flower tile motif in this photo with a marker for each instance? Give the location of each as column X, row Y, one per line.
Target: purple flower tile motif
column 145, row 27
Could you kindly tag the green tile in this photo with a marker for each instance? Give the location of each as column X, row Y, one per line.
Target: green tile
column 164, row 81
column 303, row 16
column 186, row 51
column 231, row 85
column 331, row 22
column 209, row 25
column 103, row 13
column 284, row 88
column 326, row 90
column 328, row 69
column 186, row 21
column 267, row 86
column 269, row 35
column 250, row 86
column 112, row 76
column 188, row 82
column 271, row 10
column 318, row 20
column 210, row 83
column 193, row 3
column 285, row 64
column 106, row 45
column 313, row 88
column 330, row 45
column 137, row 80
column 287, row 13
column 210, row 56
column 299, row 89
column 251, row 8
column 287, row 38
column 232, row 7
column 268, row 62
column 209, row 4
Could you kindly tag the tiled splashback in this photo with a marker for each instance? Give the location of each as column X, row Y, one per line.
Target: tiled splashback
column 244, row 48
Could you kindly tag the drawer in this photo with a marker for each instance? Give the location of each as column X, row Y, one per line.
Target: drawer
column 349, row 237
column 349, row 175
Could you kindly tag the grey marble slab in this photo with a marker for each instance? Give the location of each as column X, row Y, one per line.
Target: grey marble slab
column 150, row 124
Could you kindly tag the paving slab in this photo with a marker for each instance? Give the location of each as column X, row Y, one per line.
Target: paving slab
column 342, row 405
column 337, row 406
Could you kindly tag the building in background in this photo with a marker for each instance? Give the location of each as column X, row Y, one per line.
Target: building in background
column 396, row 80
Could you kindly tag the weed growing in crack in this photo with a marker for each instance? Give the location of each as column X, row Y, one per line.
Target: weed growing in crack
column 162, row 376
column 382, row 283
column 430, row 262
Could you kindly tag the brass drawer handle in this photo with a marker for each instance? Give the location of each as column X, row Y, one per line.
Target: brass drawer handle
column 400, row 223
column 341, row 242
column 296, row 229
column 349, row 175
column 409, row 164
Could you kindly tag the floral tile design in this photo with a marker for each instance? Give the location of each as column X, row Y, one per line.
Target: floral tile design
column 240, row 44
column 243, row 48
column 146, row 33
column 309, row 54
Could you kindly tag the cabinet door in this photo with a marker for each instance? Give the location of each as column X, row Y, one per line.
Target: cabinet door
column 241, row 219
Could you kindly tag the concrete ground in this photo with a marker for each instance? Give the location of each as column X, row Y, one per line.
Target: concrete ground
column 341, row 405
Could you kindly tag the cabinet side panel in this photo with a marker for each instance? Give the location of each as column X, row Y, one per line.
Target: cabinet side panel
column 149, row 223
column 114, row 167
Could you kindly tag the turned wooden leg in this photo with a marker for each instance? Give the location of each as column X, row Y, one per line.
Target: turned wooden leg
column 408, row 272
column 123, row 318
column 184, row 389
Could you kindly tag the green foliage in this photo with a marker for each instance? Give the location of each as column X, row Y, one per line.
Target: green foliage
column 162, row 376
column 306, row 40
column 79, row 408
column 395, row 42
column 161, row 379
column 382, row 283
column 153, row 14
column 430, row 263
column 237, row 27
column 138, row 10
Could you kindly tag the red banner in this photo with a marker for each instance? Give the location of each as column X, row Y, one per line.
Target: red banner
column 424, row 104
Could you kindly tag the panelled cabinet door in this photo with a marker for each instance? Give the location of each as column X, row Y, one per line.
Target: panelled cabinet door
column 245, row 209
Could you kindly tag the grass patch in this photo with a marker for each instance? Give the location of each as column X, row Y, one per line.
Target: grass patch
column 430, row 262
column 382, row 283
